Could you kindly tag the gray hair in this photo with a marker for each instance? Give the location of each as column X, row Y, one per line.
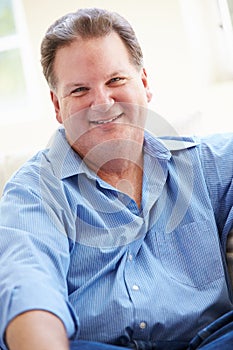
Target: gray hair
column 86, row 23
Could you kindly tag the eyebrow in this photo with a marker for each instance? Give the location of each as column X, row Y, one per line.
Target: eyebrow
column 77, row 84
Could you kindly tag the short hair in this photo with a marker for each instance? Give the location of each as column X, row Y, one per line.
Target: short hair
column 86, row 23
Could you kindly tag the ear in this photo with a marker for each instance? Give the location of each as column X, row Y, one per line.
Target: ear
column 56, row 106
column 146, row 86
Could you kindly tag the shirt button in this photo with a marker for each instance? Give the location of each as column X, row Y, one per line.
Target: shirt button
column 130, row 257
column 142, row 325
column 135, row 287
column 121, row 196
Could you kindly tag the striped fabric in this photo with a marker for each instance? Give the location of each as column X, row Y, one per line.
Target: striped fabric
column 75, row 246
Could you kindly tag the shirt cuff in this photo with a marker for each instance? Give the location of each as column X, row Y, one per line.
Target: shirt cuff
column 27, row 297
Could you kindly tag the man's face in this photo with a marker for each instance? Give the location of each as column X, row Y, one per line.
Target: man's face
column 101, row 97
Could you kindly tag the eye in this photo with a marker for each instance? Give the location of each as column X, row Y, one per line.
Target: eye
column 116, row 81
column 79, row 91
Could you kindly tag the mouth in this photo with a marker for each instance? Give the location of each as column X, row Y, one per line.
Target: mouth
column 106, row 121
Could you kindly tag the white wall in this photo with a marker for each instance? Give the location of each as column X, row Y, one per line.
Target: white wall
column 182, row 63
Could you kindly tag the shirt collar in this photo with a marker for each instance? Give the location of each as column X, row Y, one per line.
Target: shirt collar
column 164, row 147
column 65, row 162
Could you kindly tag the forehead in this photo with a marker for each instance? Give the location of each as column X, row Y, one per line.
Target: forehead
column 88, row 53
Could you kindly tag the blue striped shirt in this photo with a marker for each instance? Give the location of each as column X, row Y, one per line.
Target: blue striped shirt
column 73, row 245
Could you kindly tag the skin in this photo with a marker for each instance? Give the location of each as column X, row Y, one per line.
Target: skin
column 37, row 330
column 101, row 100
column 102, row 104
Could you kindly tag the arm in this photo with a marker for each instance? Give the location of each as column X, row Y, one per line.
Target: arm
column 35, row 258
column 37, row 330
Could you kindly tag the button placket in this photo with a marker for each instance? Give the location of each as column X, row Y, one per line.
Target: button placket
column 130, row 257
column 142, row 325
column 135, row 287
column 132, row 279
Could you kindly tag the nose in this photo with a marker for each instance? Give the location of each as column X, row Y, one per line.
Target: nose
column 102, row 101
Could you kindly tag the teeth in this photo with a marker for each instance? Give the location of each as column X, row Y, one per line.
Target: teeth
column 104, row 121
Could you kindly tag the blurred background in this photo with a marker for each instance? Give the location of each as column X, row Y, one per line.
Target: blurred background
column 188, row 54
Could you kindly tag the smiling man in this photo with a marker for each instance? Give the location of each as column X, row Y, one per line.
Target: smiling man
column 112, row 237
column 101, row 103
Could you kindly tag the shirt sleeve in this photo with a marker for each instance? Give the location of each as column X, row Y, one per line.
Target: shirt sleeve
column 216, row 152
column 34, row 253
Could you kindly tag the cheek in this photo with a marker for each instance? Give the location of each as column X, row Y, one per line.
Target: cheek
column 68, row 109
column 76, row 126
column 136, row 113
column 137, row 93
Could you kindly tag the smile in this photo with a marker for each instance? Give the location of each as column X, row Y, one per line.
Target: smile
column 98, row 122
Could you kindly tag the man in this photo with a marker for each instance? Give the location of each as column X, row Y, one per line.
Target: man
column 112, row 237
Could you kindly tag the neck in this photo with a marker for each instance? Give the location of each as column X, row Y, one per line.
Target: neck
column 124, row 175
column 120, row 163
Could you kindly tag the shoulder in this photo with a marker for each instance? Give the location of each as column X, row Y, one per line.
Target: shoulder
column 26, row 175
column 219, row 143
column 210, row 145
